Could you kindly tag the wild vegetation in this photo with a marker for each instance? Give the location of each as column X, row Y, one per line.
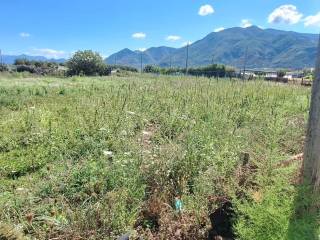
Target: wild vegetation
column 97, row 157
column 213, row 70
column 37, row 67
column 82, row 63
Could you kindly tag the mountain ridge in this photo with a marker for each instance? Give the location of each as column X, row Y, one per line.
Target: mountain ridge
column 9, row 59
column 267, row 48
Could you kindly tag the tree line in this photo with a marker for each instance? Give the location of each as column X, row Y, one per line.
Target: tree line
column 89, row 63
column 213, row 70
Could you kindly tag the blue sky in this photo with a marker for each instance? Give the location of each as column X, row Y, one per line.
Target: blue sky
column 56, row 28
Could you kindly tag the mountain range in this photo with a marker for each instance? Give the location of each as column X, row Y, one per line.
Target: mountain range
column 9, row 59
column 264, row 48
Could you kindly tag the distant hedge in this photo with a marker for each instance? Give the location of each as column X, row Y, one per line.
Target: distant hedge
column 45, row 64
column 123, row 68
column 214, row 70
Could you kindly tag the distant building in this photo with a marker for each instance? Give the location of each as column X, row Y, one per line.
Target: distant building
column 270, row 75
column 294, row 75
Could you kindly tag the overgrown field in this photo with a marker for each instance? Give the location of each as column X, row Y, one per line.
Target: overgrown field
column 94, row 158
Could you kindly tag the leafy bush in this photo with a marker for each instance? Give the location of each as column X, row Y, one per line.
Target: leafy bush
column 87, row 63
column 151, row 69
column 44, row 64
column 26, row 68
column 39, row 67
column 41, row 70
column 214, row 70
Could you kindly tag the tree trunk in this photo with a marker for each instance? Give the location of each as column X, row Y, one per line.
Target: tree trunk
column 311, row 163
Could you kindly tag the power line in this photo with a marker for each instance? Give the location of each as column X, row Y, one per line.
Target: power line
column 141, row 62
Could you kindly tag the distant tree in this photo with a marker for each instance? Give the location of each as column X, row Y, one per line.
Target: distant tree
column 88, row 63
column 26, row 68
column 151, row 69
column 281, row 73
column 21, row 61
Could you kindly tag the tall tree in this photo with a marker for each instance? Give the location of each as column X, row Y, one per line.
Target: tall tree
column 311, row 164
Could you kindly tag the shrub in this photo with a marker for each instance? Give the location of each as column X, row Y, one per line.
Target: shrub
column 123, row 68
column 151, row 69
column 26, row 68
column 41, row 69
column 87, row 63
column 20, row 61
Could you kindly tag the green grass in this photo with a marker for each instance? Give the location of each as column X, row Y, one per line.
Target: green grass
column 53, row 134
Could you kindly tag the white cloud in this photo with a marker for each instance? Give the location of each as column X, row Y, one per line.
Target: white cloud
column 245, row 23
column 219, row 29
column 186, row 43
column 312, row 20
column 288, row 14
column 206, row 10
column 49, row 53
column 25, row 35
column 139, row 35
column 173, row 38
column 142, row 49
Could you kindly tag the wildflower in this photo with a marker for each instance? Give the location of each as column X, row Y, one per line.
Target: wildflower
column 20, row 189
column 33, row 107
column 124, row 133
column 146, row 133
column 29, row 217
column 52, row 213
column 108, row 154
column 102, row 129
column 131, row 113
column 184, row 117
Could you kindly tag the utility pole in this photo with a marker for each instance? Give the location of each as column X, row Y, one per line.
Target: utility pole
column 115, row 60
column 170, row 61
column 311, row 161
column 141, row 62
column 0, row 57
column 245, row 63
column 187, row 59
